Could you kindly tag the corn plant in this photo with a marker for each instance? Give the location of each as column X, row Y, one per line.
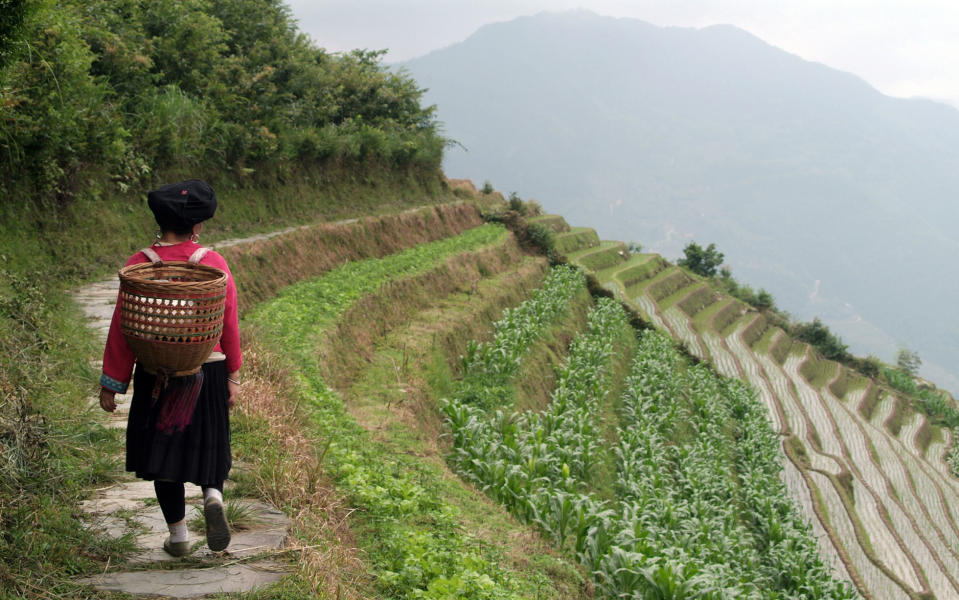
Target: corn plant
column 539, row 464
column 699, row 483
column 700, row 510
column 520, row 327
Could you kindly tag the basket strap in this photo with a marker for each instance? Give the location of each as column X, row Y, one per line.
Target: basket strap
column 153, row 256
column 197, row 256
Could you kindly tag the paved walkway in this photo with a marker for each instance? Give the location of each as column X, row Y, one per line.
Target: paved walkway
column 129, row 508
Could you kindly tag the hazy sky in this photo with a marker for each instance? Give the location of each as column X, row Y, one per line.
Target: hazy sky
column 903, row 48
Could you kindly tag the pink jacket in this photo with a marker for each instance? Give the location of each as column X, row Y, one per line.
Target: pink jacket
column 118, row 359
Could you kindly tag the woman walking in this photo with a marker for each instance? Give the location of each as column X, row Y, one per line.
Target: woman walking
column 178, row 429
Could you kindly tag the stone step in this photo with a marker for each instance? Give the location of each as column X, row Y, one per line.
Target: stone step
column 129, row 508
column 191, row 583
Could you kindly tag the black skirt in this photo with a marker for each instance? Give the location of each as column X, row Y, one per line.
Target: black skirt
column 198, row 454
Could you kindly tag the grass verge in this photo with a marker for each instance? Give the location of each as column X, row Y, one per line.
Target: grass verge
column 51, row 449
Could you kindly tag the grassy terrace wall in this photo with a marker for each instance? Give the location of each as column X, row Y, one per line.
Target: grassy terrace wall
column 818, row 371
column 631, row 276
column 349, row 346
column 577, row 238
column 697, row 301
column 554, row 223
column 847, row 381
column 669, row 285
column 261, row 268
column 728, row 315
column 537, row 375
column 755, row 331
column 782, row 347
column 607, row 254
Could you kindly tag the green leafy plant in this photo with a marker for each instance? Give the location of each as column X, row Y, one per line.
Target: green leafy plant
column 95, row 90
column 690, row 492
column 908, row 361
column 820, row 336
column 420, row 550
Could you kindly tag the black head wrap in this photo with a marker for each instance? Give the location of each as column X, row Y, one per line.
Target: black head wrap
column 179, row 206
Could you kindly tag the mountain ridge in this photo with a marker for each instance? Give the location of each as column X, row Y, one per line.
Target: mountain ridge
column 798, row 171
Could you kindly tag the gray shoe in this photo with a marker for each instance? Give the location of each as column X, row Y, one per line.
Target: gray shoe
column 217, row 530
column 177, row 549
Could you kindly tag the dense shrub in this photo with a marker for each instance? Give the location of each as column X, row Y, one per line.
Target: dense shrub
column 125, row 88
column 761, row 300
column 824, row 340
column 12, row 15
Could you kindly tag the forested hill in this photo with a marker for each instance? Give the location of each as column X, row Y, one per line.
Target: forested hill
column 119, row 92
column 832, row 196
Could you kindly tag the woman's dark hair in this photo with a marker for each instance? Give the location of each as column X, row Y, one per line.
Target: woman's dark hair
column 178, row 231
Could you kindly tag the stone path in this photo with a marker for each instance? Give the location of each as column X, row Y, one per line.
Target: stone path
column 130, row 508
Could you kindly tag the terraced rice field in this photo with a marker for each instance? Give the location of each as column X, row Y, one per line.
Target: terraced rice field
column 877, row 489
column 577, row 238
column 681, row 327
column 554, row 223
column 603, row 256
column 936, row 453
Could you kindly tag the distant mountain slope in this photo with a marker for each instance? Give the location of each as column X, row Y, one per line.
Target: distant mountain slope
column 832, row 196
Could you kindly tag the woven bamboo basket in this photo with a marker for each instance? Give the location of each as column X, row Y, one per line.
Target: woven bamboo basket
column 171, row 314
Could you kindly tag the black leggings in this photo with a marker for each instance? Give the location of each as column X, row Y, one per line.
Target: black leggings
column 172, row 498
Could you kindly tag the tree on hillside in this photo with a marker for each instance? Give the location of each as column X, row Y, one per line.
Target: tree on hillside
column 764, row 300
column 908, row 361
column 702, row 261
column 817, row 334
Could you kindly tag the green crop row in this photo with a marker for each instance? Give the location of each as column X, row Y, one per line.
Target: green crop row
column 310, row 306
column 700, row 509
column 536, row 463
column 703, row 512
column 491, row 365
column 417, row 548
column 539, row 464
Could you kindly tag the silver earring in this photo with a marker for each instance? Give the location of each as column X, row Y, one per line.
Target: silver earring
column 158, row 235
column 195, row 238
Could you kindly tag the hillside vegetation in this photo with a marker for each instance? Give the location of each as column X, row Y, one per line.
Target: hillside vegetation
column 830, row 195
column 866, row 457
column 114, row 91
column 368, row 350
column 447, row 398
